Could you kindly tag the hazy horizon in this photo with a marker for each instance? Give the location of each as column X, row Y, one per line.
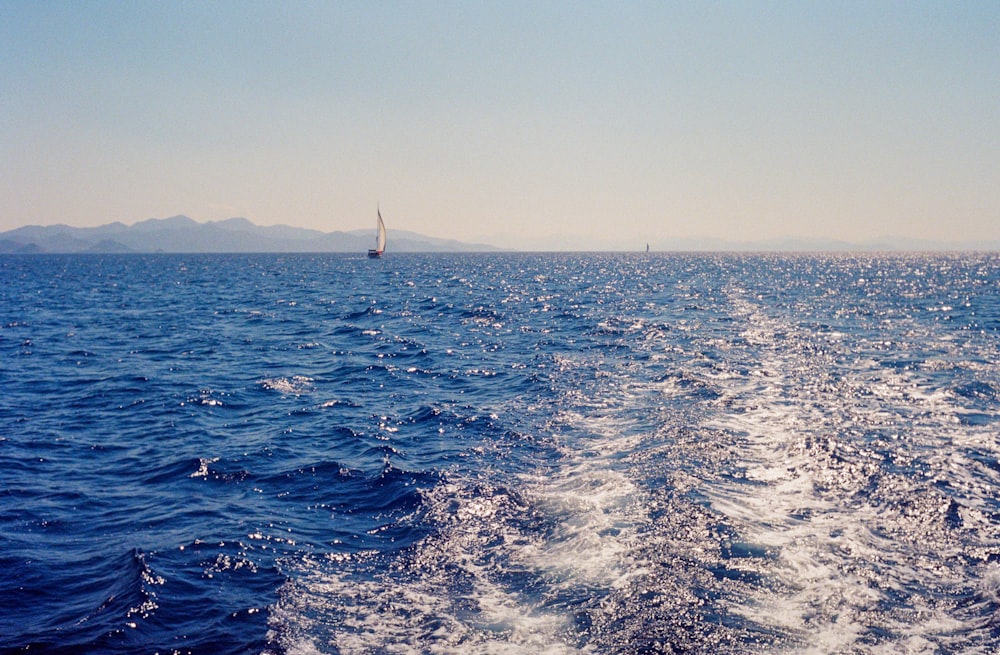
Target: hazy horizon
column 185, row 228
column 500, row 123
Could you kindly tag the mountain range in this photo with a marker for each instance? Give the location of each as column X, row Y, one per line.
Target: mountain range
column 180, row 234
column 183, row 234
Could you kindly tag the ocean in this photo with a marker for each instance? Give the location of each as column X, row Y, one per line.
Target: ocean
column 500, row 453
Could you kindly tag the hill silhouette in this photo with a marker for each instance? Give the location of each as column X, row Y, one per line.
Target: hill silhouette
column 184, row 234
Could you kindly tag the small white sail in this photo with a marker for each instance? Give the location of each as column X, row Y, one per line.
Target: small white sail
column 380, row 239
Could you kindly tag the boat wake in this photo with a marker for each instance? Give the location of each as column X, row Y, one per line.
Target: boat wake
column 871, row 536
column 710, row 477
column 506, row 453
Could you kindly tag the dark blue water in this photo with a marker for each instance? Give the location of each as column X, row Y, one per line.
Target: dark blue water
column 500, row 454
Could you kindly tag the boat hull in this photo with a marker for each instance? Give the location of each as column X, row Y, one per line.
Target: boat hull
column 374, row 254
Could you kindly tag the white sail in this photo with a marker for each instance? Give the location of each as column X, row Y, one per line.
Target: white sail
column 380, row 237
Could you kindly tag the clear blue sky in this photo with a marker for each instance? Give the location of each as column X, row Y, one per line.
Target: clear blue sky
column 613, row 122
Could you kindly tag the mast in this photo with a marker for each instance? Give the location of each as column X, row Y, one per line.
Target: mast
column 379, row 235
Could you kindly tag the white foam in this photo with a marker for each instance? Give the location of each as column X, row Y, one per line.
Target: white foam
column 838, row 556
column 457, row 591
column 294, row 386
column 593, row 542
column 203, row 464
column 450, row 603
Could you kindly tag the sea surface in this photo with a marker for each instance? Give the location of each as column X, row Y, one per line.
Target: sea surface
column 501, row 453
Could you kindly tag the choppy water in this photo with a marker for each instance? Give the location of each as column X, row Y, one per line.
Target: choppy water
column 500, row 454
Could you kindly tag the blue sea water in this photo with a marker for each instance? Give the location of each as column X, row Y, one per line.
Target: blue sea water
column 502, row 453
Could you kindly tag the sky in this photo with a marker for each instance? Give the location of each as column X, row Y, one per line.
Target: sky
column 523, row 124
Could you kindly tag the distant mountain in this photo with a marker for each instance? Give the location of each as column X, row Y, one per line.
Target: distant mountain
column 806, row 245
column 884, row 244
column 579, row 243
column 183, row 234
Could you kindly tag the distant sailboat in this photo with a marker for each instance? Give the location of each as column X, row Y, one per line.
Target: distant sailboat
column 379, row 237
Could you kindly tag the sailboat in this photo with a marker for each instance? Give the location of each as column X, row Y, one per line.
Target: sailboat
column 379, row 237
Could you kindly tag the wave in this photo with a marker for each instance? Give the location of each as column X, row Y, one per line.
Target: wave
column 100, row 602
column 502, row 453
